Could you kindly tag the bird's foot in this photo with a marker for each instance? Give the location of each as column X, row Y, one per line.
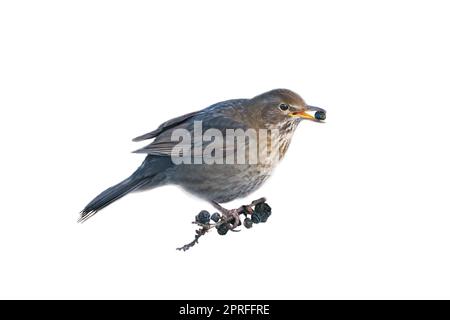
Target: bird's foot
column 233, row 214
column 229, row 219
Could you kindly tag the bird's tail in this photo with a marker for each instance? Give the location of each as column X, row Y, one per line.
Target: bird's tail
column 110, row 195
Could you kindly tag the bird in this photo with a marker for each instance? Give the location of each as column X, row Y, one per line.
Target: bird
column 279, row 110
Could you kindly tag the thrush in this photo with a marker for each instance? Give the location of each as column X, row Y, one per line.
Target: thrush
column 218, row 182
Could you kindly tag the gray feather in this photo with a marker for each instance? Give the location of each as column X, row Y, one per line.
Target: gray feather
column 166, row 125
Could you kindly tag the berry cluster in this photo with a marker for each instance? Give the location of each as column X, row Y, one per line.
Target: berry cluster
column 225, row 222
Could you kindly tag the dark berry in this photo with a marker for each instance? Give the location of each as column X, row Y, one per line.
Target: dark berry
column 248, row 223
column 215, row 217
column 256, row 217
column 263, row 210
column 222, row 229
column 203, row 217
column 320, row 115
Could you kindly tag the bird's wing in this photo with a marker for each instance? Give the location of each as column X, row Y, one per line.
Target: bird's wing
column 221, row 116
column 181, row 119
column 166, row 125
column 164, row 143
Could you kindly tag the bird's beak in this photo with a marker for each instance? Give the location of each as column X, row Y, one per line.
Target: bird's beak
column 301, row 114
column 318, row 114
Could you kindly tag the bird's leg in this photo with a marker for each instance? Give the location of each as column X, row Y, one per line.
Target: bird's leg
column 229, row 215
column 219, row 207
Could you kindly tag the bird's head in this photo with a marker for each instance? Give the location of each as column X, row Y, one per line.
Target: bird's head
column 281, row 106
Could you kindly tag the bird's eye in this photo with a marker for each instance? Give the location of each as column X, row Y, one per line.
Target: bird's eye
column 283, row 106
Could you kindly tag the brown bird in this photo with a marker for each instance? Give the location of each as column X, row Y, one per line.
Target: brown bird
column 272, row 117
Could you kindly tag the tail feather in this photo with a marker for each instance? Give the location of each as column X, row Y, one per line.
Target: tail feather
column 109, row 196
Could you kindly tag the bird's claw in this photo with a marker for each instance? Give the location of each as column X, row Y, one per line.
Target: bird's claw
column 233, row 215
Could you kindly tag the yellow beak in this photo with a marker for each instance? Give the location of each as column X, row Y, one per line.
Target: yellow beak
column 302, row 114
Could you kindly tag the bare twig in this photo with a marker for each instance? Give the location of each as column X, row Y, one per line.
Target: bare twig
column 200, row 233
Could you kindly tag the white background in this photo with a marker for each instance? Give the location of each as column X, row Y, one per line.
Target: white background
column 360, row 203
